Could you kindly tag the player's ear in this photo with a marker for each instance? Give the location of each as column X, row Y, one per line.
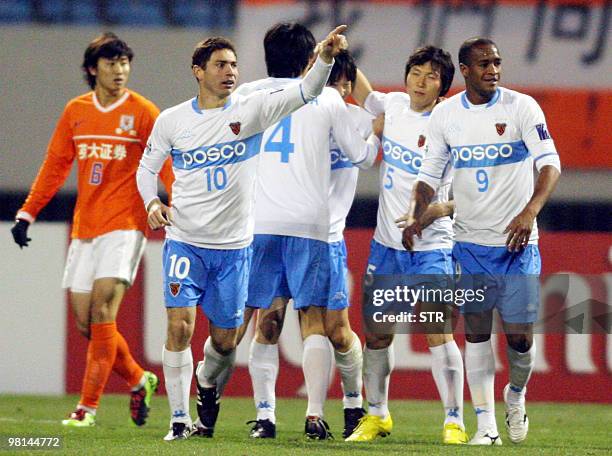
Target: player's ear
column 196, row 71
column 93, row 70
column 464, row 69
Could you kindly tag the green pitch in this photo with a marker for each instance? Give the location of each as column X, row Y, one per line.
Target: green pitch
column 556, row 429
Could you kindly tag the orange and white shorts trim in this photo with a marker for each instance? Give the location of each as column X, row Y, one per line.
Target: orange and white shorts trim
column 111, row 255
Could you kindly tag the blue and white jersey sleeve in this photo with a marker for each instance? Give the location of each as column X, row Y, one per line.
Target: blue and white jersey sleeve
column 535, row 134
column 436, row 158
column 344, row 175
column 155, row 154
column 375, row 103
column 362, row 153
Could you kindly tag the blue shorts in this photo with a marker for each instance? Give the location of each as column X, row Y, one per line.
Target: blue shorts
column 511, row 279
column 289, row 267
column 338, row 289
column 215, row 279
column 390, row 268
column 388, row 261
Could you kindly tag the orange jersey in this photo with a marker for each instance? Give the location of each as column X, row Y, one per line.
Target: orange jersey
column 107, row 143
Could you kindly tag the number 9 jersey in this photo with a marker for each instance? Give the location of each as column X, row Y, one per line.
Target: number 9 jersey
column 493, row 148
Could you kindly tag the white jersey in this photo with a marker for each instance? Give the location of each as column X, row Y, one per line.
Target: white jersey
column 404, row 142
column 493, row 148
column 293, row 182
column 344, row 175
column 214, row 155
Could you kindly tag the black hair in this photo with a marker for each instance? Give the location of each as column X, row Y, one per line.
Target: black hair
column 288, row 46
column 108, row 46
column 344, row 65
column 465, row 51
column 204, row 49
column 440, row 61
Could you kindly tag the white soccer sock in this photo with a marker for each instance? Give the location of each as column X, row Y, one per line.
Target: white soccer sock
column 178, row 371
column 521, row 366
column 316, row 364
column 214, row 363
column 377, row 367
column 140, row 384
column 480, row 369
column 87, row 409
column 350, row 365
column 263, row 368
column 447, row 371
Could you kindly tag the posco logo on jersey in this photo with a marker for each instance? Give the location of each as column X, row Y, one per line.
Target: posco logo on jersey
column 483, row 155
column 339, row 160
column 399, row 156
column 217, row 154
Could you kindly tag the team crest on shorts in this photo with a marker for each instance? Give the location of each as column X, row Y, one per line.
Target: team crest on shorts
column 235, row 126
column 501, row 128
column 175, row 288
column 421, row 141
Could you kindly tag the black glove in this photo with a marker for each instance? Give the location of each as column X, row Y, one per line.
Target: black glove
column 20, row 233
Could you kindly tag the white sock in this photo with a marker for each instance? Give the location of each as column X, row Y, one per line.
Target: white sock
column 480, row 369
column 377, row 367
column 447, row 371
column 213, row 365
column 87, row 409
column 263, row 368
column 521, row 366
column 178, row 371
column 316, row 364
column 350, row 365
column 141, row 383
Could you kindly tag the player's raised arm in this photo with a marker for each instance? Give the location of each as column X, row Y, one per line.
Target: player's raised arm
column 271, row 106
column 362, row 153
column 368, row 98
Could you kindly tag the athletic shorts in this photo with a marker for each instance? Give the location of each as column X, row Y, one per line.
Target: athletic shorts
column 388, row 261
column 289, row 267
column 216, row 279
column 511, row 279
column 111, row 255
column 338, row 276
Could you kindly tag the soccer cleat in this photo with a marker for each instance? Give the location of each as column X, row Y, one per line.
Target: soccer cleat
column 453, row 434
column 208, row 410
column 517, row 423
column 316, row 428
column 370, row 427
column 140, row 400
column 351, row 419
column 80, row 418
column 178, row 431
column 262, row 429
column 485, row 437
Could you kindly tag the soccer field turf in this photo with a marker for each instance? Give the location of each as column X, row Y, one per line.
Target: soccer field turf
column 560, row 429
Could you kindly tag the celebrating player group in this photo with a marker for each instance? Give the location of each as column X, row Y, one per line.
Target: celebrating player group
column 264, row 175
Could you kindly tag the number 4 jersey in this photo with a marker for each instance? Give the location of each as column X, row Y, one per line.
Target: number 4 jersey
column 493, row 148
column 293, row 182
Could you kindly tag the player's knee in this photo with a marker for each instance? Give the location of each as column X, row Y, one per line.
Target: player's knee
column 270, row 327
column 179, row 334
column 378, row 341
column 224, row 346
column 434, row 340
column 519, row 342
column 477, row 338
column 340, row 337
column 83, row 328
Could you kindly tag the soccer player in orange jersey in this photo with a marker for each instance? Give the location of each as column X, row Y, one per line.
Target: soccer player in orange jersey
column 105, row 131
